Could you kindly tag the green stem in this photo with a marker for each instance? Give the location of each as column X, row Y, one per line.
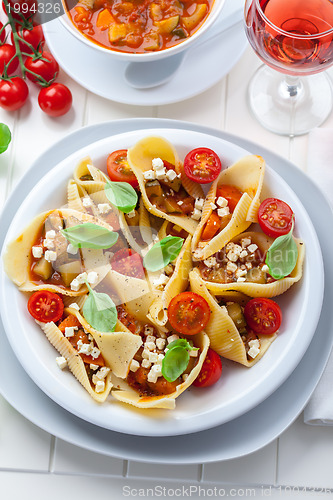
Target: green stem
column 15, row 37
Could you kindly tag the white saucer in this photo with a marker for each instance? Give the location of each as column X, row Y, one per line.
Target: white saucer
column 226, row 441
column 202, row 67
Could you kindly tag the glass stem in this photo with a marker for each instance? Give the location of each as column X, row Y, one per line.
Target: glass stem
column 293, row 85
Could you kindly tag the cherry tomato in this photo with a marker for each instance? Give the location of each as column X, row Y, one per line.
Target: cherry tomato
column 275, row 217
column 47, row 70
column 119, row 169
column 188, row 313
column 25, row 8
column 33, row 35
column 202, row 165
column 8, row 51
column 2, row 33
column 211, row 227
column 128, row 262
column 55, row 100
column 231, row 194
column 45, row 306
column 211, row 370
column 13, row 93
column 263, row 316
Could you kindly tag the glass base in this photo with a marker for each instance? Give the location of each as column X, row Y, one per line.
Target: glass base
column 289, row 105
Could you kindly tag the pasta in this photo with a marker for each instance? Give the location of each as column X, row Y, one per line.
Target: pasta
column 134, row 287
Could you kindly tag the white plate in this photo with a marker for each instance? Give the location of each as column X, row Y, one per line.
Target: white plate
column 226, row 441
column 239, row 389
column 202, row 67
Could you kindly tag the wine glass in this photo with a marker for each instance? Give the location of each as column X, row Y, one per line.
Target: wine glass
column 294, row 37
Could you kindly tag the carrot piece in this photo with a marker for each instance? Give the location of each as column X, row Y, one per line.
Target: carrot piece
column 211, row 227
column 104, row 19
column 70, row 320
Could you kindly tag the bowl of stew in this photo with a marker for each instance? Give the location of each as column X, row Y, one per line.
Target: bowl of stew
column 135, row 30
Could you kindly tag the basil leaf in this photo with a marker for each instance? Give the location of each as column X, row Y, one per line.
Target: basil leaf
column 5, row 137
column 89, row 235
column 100, row 311
column 122, row 195
column 175, row 363
column 182, row 343
column 282, row 256
column 162, row 253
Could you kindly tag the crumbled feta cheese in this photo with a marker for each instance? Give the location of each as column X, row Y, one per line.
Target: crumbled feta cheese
column 222, row 202
column 102, row 373
column 50, row 235
column 61, row 362
column 145, row 353
column 199, row 203
column 210, row 262
column 70, row 331
column 265, row 268
column 213, row 206
column 74, row 305
column 93, row 367
column 85, row 349
column 222, row 212
column 153, row 357
column 149, row 330
column 37, row 252
column 196, row 214
column 248, row 265
column 171, row 175
column 134, row 366
column 81, row 278
column 232, row 256
column 157, row 163
column 95, row 352
column 50, row 255
column 245, row 242
column 92, row 277
column 160, row 344
column 150, row 338
column 149, row 175
column 237, row 250
column 150, row 346
column 48, row 243
column 71, row 249
column 241, row 279
column 154, row 373
column 185, row 377
column 172, row 338
column 162, row 280
column 104, row 208
column 231, row 267
column 161, row 173
column 146, row 363
column 75, row 285
column 254, row 348
column 194, row 353
column 243, row 254
column 160, row 358
column 180, row 202
column 100, row 386
column 240, row 273
column 86, row 202
column 131, row 214
column 252, row 248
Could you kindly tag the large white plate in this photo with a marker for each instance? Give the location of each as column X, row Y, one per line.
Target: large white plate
column 226, row 441
column 239, row 389
column 203, row 66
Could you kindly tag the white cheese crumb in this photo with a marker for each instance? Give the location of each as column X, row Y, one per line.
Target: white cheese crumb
column 75, row 285
column 254, row 348
column 232, row 256
column 81, row 278
column 71, row 249
column 131, row 214
column 149, row 330
column 92, row 277
column 161, row 173
column 70, row 331
column 93, row 367
column 265, row 268
column 50, row 255
column 160, row 344
column 48, row 243
column 171, row 175
column 150, row 346
column 95, row 352
column 86, row 202
column 134, row 366
column 194, row 353
column 231, row 267
column 199, row 203
column 85, row 349
column 222, row 202
column 102, row 373
column 180, row 202
column 245, row 242
column 37, row 252
column 241, row 279
column 162, row 280
column 50, row 234
column 145, row 353
column 172, row 338
column 243, row 254
column 149, row 175
column 213, row 206
column 196, row 214
column 153, row 357
column 61, row 362
column 210, row 262
column 252, row 248
column 100, row 386
column 104, row 208
column 222, row 212
column 157, row 163
column 146, row 363
column 150, row 338
column 74, row 305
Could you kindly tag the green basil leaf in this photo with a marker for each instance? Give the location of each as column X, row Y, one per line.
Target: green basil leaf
column 122, row 195
column 182, row 343
column 282, row 256
column 100, row 311
column 175, row 363
column 162, row 253
column 5, row 137
column 89, row 235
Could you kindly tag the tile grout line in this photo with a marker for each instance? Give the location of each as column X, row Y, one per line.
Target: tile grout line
column 52, row 454
column 11, row 161
column 226, row 89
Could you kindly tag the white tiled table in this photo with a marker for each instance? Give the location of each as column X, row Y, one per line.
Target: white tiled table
column 36, row 465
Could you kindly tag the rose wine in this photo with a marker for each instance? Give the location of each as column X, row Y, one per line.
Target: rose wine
column 292, row 36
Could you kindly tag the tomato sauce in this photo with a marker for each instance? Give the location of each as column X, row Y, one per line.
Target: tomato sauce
column 139, row 26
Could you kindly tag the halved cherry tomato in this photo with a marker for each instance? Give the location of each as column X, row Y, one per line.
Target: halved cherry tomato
column 202, row 165
column 211, row 370
column 211, row 227
column 275, row 217
column 263, row 316
column 188, row 313
column 45, row 306
column 128, row 262
column 231, row 194
column 119, row 169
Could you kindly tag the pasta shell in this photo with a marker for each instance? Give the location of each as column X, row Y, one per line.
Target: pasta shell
column 123, row 392
column 221, row 330
column 177, row 283
column 89, row 177
column 140, row 158
column 247, row 175
column 262, row 289
column 18, row 256
column 74, row 360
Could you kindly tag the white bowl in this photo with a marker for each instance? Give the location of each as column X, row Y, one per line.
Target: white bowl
column 239, row 389
column 149, row 56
